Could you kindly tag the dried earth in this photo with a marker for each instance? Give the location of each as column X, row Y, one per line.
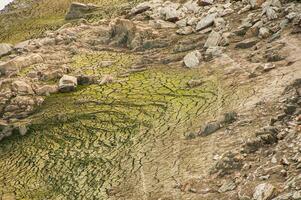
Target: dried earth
column 168, row 100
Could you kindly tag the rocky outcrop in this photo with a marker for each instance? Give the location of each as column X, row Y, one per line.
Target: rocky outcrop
column 79, row 10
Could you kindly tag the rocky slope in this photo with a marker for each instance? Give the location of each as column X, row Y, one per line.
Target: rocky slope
column 162, row 100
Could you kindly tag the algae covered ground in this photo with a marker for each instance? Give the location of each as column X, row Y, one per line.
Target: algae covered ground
column 86, row 144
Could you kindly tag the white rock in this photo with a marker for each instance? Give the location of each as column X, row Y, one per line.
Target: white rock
column 192, row 59
column 264, row 191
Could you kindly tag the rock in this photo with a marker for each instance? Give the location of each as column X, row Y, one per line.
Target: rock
column 219, row 23
column 229, row 117
column 205, row 2
column 247, row 43
column 291, row 16
column 229, row 162
column 256, row 3
column 206, row 22
column 185, row 30
column 210, row 128
column 86, row 79
column 264, row 191
column 123, row 31
column 22, row 129
column 67, row 83
column 214, row 51
column 21, row 87
column 286, row 196
column 192, row 6
column 47, row 90
column 213, row 40
column 227, row 186
column 270, row 12
column 195, row 83
column 182, row 23
column 5, row 49
column 192, row 59
column 79, row 10
column 264, row 32
column 140, row 8
column 290, row 109
column 106, row 79
column 297, row 195
column 170, row 14
column 14, row 65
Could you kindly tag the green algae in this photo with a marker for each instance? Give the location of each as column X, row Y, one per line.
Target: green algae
column 83, row 143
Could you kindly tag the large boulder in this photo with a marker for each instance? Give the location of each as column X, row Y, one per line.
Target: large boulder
column 5, row 49
column 67, row 83
column 192, row 59
column 79, row 10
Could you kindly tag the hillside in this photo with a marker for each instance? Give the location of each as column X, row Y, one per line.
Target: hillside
column 156, row 100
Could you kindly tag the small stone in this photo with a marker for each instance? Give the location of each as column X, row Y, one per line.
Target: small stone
column 206, row 22
column 264, row 32
column 264, row 191
column 213, row 40
column 210, row 128
column 192, row 59
column 247, row 43
column 185, row 30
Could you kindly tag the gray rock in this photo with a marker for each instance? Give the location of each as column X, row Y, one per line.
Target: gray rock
column 192, row 59
column 182, row 23
column 5, row 49
column 247, row 43
column 170, row 14
column 192, row 6
column 140, row 8
column 67, row 83
column 79, row 10
column 213, row 40
column 264, row 191
column 210, row 128
column 206, row 22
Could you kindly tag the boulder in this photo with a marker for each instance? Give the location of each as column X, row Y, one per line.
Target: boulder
column 67, row 83
column 270, row 12
column 21, row 87
column 170, row 13
column 213, row 40
column 206, row 22
column 192, row 59
column 5, row 49
column 264, row 191
column 247, row 43
column 79, row 10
